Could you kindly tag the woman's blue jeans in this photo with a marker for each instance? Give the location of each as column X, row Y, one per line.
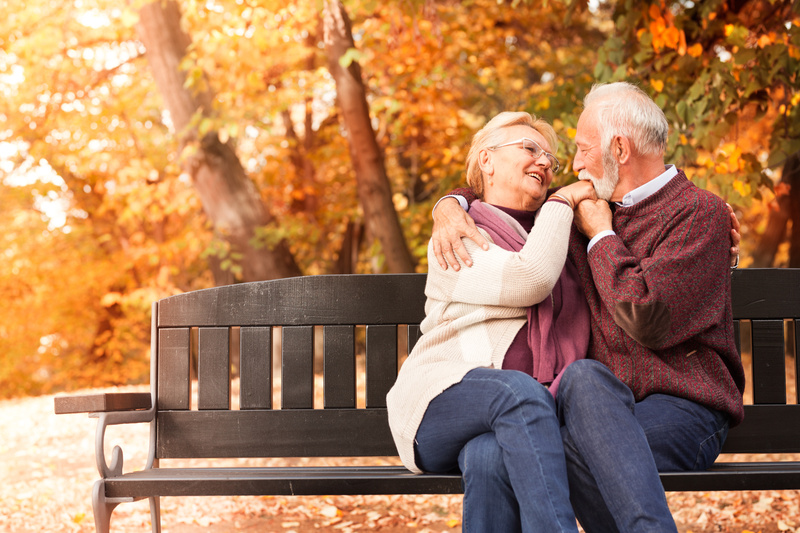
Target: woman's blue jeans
column 499, row 429
column 616, row 446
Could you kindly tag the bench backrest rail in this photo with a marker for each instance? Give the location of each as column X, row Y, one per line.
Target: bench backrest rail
column 386, row 306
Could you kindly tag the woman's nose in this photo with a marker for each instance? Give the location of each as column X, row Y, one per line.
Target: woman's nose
column 544, row 161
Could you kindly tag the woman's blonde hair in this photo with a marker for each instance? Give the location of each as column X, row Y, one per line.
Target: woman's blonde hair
column 491, row 135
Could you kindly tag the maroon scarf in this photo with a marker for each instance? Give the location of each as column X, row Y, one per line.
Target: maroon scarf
column 558, row 326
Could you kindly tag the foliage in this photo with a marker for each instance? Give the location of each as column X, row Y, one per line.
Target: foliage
column 726, row 74
column 99, row 220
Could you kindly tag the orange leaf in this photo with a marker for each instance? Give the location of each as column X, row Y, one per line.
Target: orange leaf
column 782, row 189
column 658, row 85
column 672, row 37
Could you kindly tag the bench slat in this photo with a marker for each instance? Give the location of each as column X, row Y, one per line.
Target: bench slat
column 736, row 476
column 765, row 293
column 297, row 367
column 766, row 429
column 365, row 432
column 339, row 367
column 322, row 300
column 769, row 366
column 413, row 336
column 213, row 368
column 255, row 373
column 381, row 363
column 275, row 433
column 317, row 481
column 797, row 360
column 280, row 481
column 174, row 386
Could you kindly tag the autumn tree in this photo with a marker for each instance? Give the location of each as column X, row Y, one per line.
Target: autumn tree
column 230, row 199
column 374, row 190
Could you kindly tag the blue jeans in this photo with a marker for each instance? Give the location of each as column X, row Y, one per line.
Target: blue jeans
column 499, row 429
column 616, row 446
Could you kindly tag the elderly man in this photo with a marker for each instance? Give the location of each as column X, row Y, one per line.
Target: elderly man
column 663, row 380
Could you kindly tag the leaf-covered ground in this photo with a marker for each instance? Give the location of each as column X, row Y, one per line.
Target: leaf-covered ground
column 47, row 468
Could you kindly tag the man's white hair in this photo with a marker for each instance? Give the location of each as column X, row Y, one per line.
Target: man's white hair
column 626, row 110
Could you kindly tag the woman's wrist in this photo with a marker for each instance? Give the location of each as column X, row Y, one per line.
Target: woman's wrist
column 555, row 197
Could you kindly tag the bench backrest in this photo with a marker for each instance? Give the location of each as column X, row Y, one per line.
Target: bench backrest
column 343, row 308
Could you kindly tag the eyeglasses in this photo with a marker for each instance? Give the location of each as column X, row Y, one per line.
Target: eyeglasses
column 534, row 149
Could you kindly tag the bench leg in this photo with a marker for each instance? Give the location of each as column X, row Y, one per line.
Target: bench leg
column 102, row 508
column 155, row 513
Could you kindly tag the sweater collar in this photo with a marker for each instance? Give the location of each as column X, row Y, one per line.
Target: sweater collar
column 525, row 218
column 675, row 185
column 648, row 189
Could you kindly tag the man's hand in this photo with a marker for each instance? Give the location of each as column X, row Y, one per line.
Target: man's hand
column 592, row 217
column 450, row 223
column 736, row 237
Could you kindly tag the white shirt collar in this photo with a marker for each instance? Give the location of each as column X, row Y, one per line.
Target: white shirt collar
column 649, row 188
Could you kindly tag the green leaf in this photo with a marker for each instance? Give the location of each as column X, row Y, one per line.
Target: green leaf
column 683, row 111
column 744, row 56
column 348, row 57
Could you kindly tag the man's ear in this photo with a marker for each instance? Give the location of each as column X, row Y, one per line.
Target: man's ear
column 622, row 149
column 485, row 162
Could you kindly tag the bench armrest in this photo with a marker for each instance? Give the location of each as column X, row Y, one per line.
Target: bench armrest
column 103, row 403
column 112, row 409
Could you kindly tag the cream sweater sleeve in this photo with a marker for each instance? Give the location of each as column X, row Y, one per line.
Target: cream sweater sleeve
column 510, row 279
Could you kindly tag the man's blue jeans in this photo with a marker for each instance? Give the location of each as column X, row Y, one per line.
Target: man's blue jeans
column 499, row 428
column 616, row 446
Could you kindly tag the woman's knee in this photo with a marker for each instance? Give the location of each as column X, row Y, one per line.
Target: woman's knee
column 511, row 388
column 525, row 389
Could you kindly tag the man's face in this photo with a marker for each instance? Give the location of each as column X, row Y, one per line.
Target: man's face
column 592, row 161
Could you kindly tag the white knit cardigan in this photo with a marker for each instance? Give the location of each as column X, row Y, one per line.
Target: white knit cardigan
column 473, row 315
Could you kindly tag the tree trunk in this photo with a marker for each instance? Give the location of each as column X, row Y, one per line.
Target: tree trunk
column 230, row 199
column 788, row 210
column 374, row 191
column 791, row 175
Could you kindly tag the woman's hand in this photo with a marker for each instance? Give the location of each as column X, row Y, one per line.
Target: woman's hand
column 450, row 223
column 578, row 192
column 736, row 237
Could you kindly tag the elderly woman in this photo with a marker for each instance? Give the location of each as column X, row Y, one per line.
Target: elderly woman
column 476, row 393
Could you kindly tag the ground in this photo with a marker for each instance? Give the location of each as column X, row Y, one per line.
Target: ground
column 47, row 467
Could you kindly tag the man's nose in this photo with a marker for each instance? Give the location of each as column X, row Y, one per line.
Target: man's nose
column 577, row 163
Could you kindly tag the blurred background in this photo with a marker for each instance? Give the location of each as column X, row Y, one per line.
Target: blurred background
column 153, row 147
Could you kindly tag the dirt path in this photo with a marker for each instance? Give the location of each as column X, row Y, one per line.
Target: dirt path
column 47, row 471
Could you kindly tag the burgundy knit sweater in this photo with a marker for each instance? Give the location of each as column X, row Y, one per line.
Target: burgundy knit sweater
column 660, row 298
column 659, row 294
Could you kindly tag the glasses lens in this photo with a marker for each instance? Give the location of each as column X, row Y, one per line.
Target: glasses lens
column 536, row 151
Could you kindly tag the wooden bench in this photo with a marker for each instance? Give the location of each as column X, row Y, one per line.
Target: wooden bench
column 355, row 313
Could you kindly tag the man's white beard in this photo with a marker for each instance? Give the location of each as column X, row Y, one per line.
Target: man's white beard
column 604, row 187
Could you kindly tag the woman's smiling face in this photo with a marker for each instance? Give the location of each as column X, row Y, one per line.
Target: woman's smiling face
column 513, row 177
